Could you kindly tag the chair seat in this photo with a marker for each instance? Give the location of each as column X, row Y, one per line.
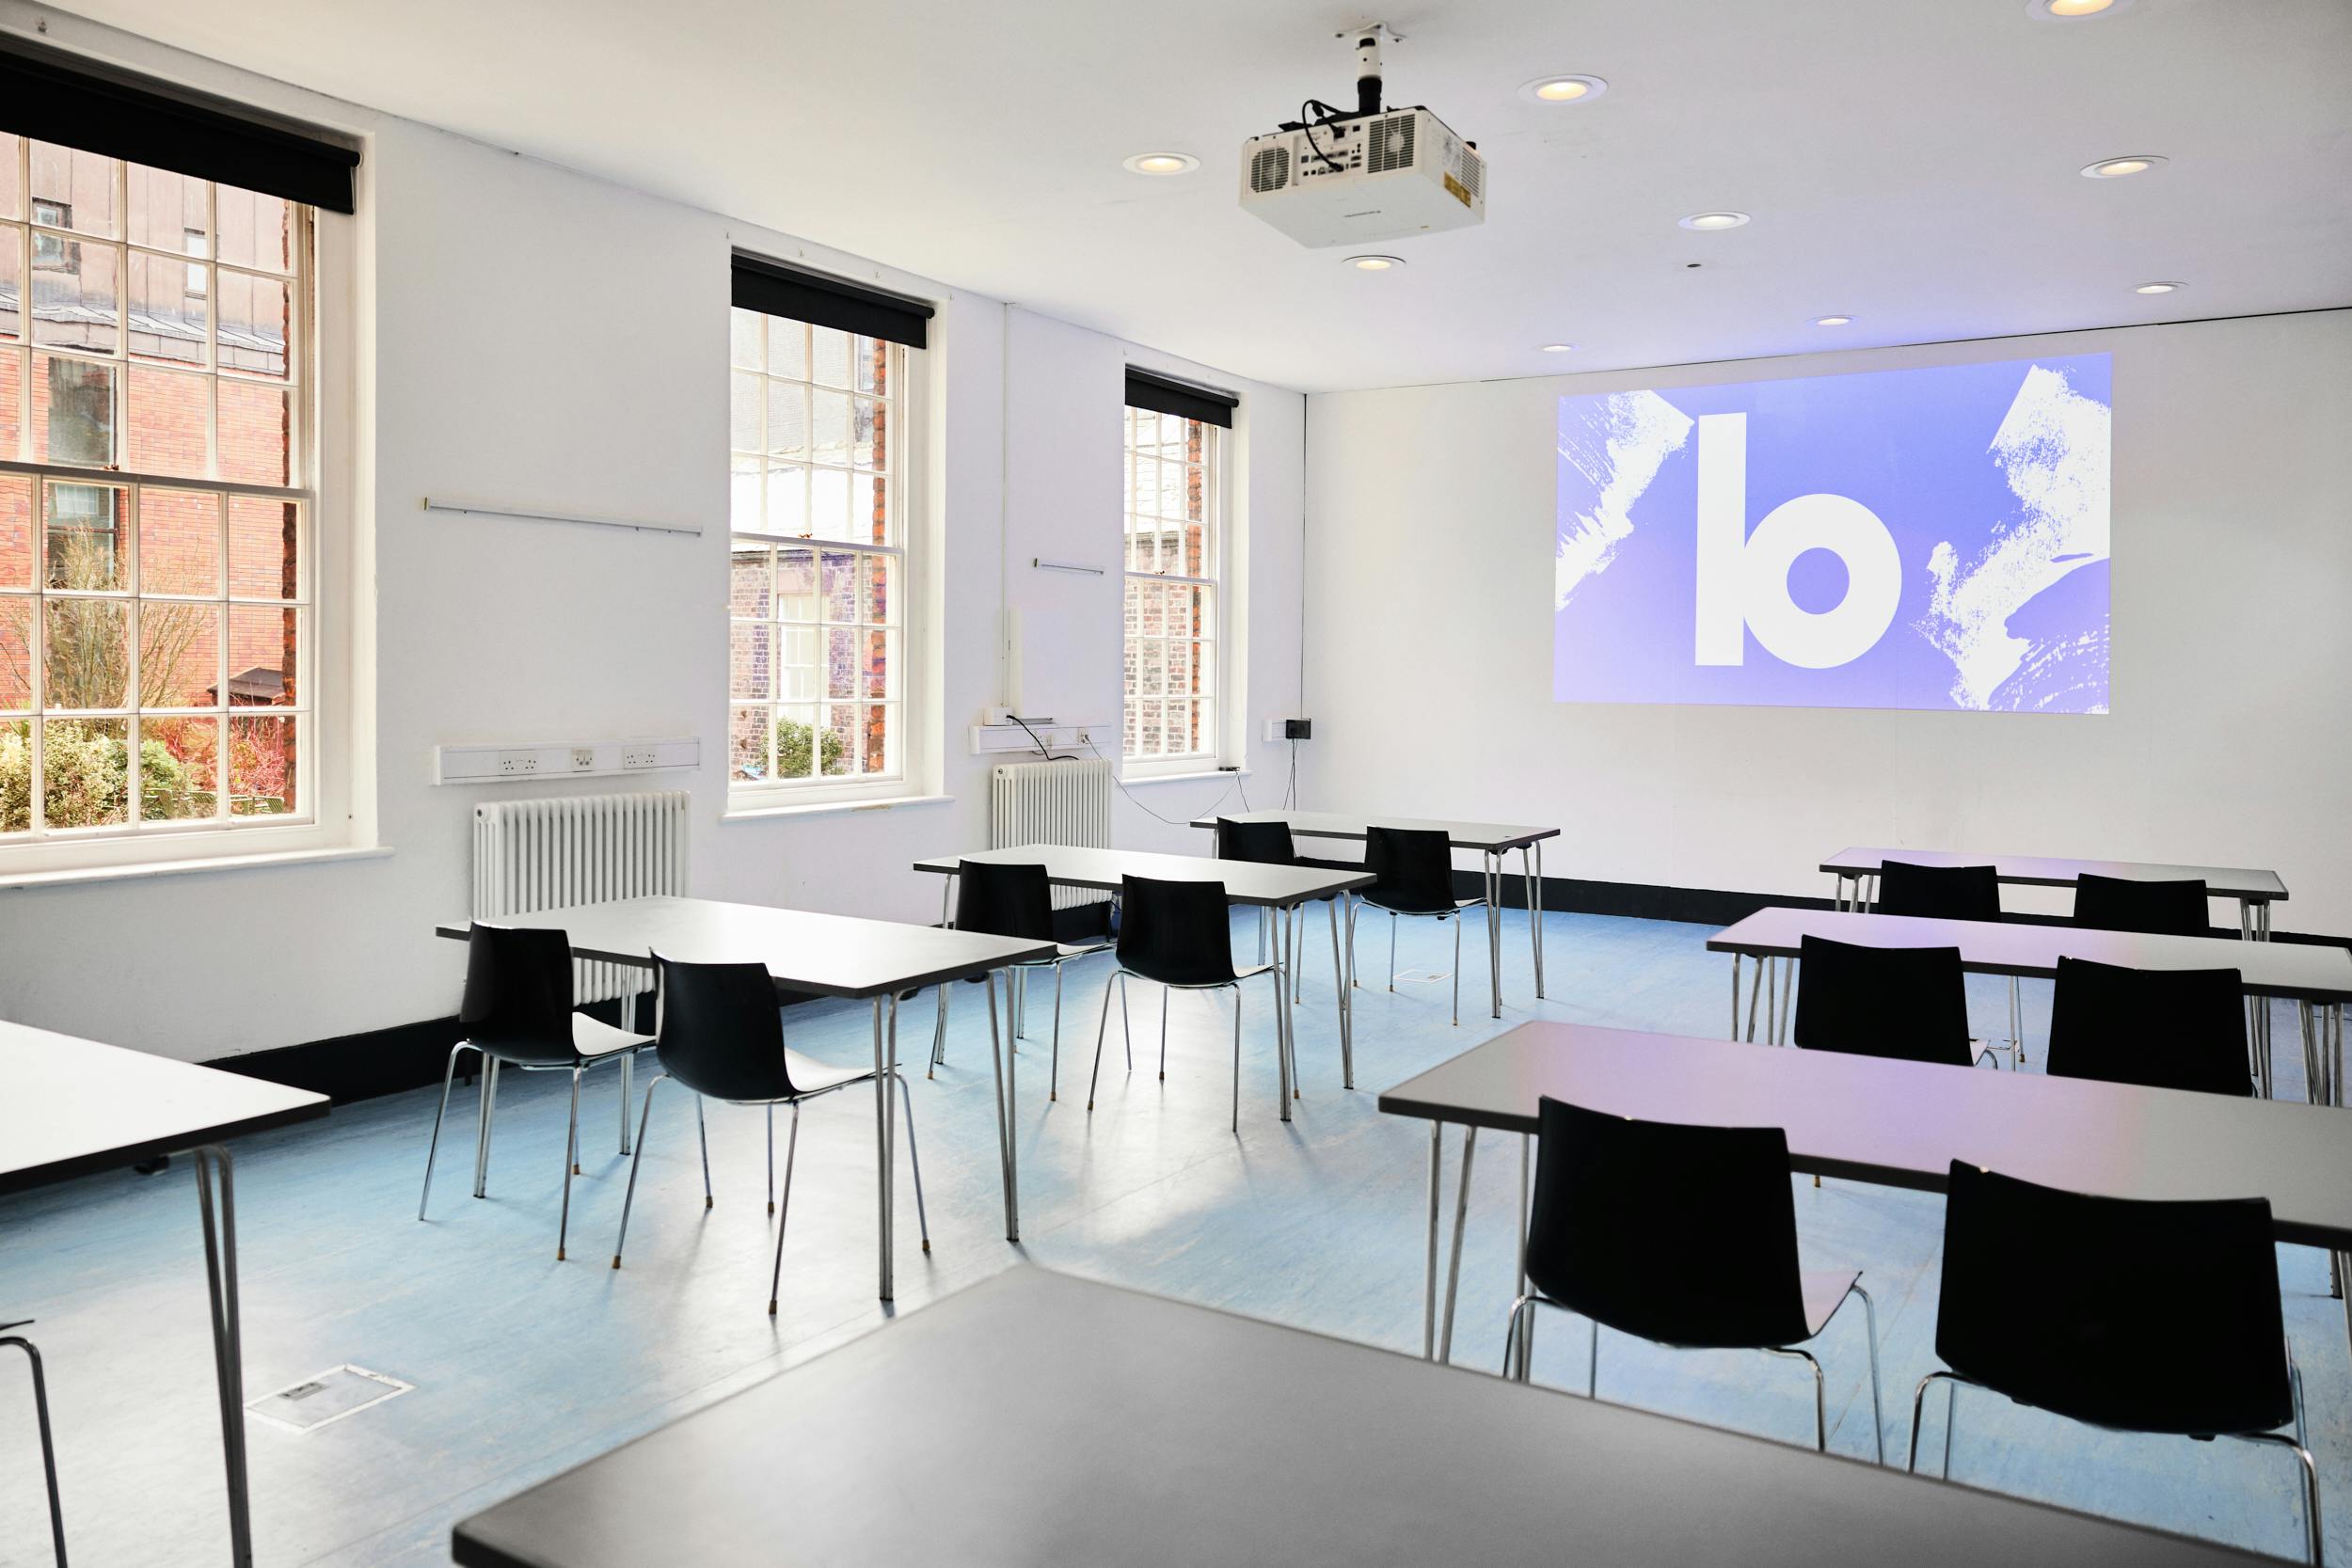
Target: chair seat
column 593, row 1036
column 811, row 1076
column 1073, row 950
column 1824, row 1292
column 1397, row 901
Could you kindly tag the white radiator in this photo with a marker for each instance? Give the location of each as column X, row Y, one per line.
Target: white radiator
column 1052, row 802
column 532, row 855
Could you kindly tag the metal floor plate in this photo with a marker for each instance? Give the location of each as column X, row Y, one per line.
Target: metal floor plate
column 327, row 1397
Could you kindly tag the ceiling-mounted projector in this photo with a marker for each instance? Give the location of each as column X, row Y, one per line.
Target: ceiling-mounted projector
column 1335, row 179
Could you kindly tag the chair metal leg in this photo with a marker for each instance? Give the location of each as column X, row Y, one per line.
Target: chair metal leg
column 1820, row 1398
column 2313, row 1540
column 571, row 1163
column 1591, row 1367
column 771, row 1159
column 48, row 1446
column 1870, row 1328
column 1456, row 924
column 433, row 1148
column 915, row 1162
column 2016, row 1026
column 1393, row 952
column 628, row 1066
column 1053, row 1072
column 1515, row 1338
column 783, row 1212
column 1951, row 1407
column 635, row 1160
column 1100, row 1029
column 1236, row 1060
column 1164, row 1031
column 702, row 1134
column 1299, row 988
column 487, row 1109
column 939, row 1035
column 1126, row 1024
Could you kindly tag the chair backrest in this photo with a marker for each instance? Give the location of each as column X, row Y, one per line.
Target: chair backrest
column 1686, row 1235
column 2150, row 1316
column 1412, row 868
column 518, row 1003
column 1939, row 892
column 996, row 900
column 1176, row 933
column 1265, row 843
column 1905, row 1002
column 2160, row 909
column 719, row 1033
column 2167, row 1028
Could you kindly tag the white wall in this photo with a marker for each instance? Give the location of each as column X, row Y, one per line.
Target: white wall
column 551, row 340
column 1430, row 601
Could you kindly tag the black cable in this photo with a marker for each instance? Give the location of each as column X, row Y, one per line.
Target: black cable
column 1041, row 749
column 1306, row 124
column 1291, row 793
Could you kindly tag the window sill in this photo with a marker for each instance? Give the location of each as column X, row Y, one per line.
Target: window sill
column 143, row 869
column 831, row 808
column 1131, row 779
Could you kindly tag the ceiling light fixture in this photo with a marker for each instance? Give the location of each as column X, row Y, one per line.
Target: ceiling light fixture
column 1161, row 163
column 2159, row 288
column 1832, row 321
column 2118, row 168
column 2075, row 10
column 1707, row 222
column 1557, row 348
column 1564, row 89
column 1376, row 263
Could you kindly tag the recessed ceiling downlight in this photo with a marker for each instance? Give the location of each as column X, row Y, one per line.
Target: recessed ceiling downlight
column 1161, row 163
column 1706, row 223
column 2073, row 10
column 2158, row 288
column 1557, row 348
column 1564, row 89
column 2122, row 168
column 1376, row 263
column 1832, row 321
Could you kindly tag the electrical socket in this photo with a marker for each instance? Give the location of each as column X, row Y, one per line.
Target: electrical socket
column 519, row 761
column 583, row 758
column 639, row 756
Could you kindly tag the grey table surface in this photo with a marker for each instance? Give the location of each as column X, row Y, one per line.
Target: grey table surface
column 1246, row 882
column 2221, row 881
column 1901, row 1124
column 1341, row 824
column 827, row 955
column 1036, row 1418
column 74, row 1107
column 2305, row 972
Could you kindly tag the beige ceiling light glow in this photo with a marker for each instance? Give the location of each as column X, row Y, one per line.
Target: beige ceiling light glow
column 2075, row 10
column 1563, row 89
column 1161, row 163
column 2123, row 167
column 1376, row 263
column 1708, row 223
column 1832, row 321
column 2161, row 287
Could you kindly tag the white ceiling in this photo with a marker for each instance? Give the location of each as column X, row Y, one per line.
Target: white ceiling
column 1911, row 163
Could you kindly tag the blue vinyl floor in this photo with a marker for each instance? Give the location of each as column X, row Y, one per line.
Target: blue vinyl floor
column 524, row 1366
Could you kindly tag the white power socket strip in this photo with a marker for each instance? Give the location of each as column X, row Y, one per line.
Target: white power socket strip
column 580, row 759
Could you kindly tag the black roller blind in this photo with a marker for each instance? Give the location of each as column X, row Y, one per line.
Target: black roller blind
column 1166, row 395
column 775, row 290
column 53, row 97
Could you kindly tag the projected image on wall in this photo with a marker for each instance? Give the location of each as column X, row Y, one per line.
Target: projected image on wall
column 1926, row 538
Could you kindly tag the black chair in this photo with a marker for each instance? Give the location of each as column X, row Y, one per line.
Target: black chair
column 1180, row 936
column 2149, row 1317
column 1908, row 1003
column 1014, row 901
column 48, row 1448
column 1950, row 893
column 1412, row 870
column 2157, row 909
column 720, row 1034
column 1684, row 1236
column 518, row 1012
column 1270, row 844
column 2166, row 1028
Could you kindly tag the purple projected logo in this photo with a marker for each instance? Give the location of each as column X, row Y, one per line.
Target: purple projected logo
column 1931, row 538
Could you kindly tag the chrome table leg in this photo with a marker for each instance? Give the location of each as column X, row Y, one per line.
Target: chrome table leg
column 221, row 1277
column 1494, row 929
column 1429, row 1270
column 1454, row 1264
column 1535, row 911
column 882, row 1118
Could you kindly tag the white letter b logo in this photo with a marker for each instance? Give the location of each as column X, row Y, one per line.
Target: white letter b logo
column 1743, row 577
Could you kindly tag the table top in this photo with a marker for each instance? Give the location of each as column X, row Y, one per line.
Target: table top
column 2304, row 970
column 1901, row 1124
column 825, row 955
column 75, row 1106
column 1341, row 824
column 2221, row 881
column 1038, row 1418
column 1246, row 882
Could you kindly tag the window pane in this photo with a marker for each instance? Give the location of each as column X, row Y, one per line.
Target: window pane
column 743, row 486
column 256, row 230
column 256, row 434
column 873, row 366
column 166, row 416
column 77, row 294
column 841, row 650
column 743, row 413
column 797, row 744
column 256, row 323
column 262, row 770
column 1151, row 668
column 1172, row 502
column 869, row 442
column 179, row 654
column 179, row 769
column 800, row 656
column 829, row 504
column 86, row 660
column 73, row 189
column 743, row 338
column 16, row 776
column 11, row 287
column 11, row 194
column 88, row 545
column 1149, row 737
column 876, row 724
column 796, row 585
column 167, row 211
column 748, row 731
column 787, row 500
column 264, row 548
column 84, row 771
column 72, row 414
column 788, row 420
column 874, row 595
column 16, row 655
column 787, row 348
column 828, row 357
column 180, row 542
column 879, row 665
column 841, row 585
column 263, row 646
column 829, row 426
column 168, row 317
column 16, row 530
column 751, row 581
column 750, row 673
column 840, row 741
column 874, row 494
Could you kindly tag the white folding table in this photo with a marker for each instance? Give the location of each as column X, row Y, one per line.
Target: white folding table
column 2255, row 890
